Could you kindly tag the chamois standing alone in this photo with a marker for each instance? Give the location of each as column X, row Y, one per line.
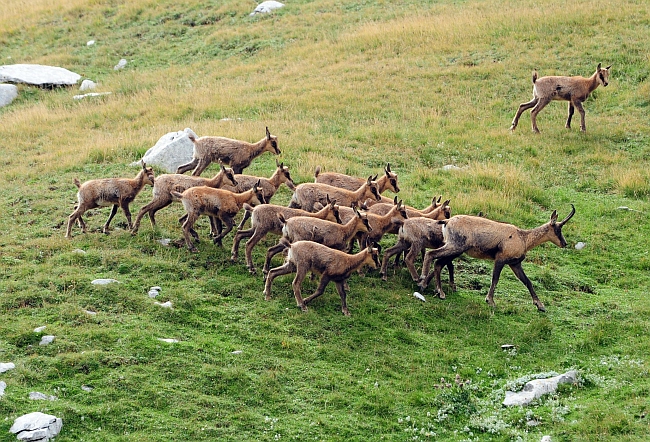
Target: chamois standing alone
column 502, row 243
column 332, row 265
column 116, row 192
column 237, row 154
column 575, row 90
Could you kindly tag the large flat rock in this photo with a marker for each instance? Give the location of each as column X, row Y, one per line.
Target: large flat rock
column 38, row 75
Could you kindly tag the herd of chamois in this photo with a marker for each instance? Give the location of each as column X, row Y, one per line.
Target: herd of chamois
column 327, row 217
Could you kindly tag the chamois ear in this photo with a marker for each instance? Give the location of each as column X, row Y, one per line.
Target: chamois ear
column 399, row 203
column 268, row 134
column 395, row 200
column 598, row 68
column 387, row 169
column 553, row 217
column 363, row 206
column 369, row 179
column 144, row 165
column 375, row 177
column 607, row 68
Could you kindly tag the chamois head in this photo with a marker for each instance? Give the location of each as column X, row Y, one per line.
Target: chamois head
column 148, row 173
column 557, row 238
column 603, row 75
column 229, row 174
column 335, row 209
column 372, row 184
column 392, row 178
column 364, row 219
column 258, row 194
column 273, row 140
column 373, row 250
column 285, row 175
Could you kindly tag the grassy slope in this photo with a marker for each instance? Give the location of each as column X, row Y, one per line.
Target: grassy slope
column 347, row 85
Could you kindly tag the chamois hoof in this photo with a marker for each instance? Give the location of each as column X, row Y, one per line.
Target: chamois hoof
column 252, row 270
column 384, row 277
column 345, row 312
column 303, row 307
column 267, row 297
column 540, row 307
column 490, row 302
column 442, row 295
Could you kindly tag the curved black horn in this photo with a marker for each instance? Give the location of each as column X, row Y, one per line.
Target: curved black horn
column 573, row 211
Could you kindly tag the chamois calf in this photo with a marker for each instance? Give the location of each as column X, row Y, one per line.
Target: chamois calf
column 308, row 194
column 380, row 224
column 269, row 185
column 220, row 205
column 116, row 192
column 303, row 228
column 332, row 265
column 388, row 181
column 499, row 242
column 575, row 90
column 237, row 154
column 264, row 220
column 164, row 184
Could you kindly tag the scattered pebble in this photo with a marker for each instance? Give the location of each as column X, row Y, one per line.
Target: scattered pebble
column 165, row 241
column 120, row 64
column 92, row 94
column 419, row 296
column 47, row 339
column 39, row 329
column 90, row 312
column 103, row 281
column 236, row 352
column 171, row 341
column 154, row 291
column 580, row 245
column 507, row 346
column 86, row 388
column 90, row 43
column 167, row 304
column 37, row 396
column 79, row 252
column 6, row 366
column 3, row 385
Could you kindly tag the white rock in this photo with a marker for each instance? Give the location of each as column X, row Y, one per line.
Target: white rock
column 419, row 296
column 167, row 304
column 103, row 281
column 79, row 252
column 87, row 388
column 8, row 93
column 92, row 94
column 171, row 341
column 90, row 312
column 539, row 387
column 3, row 385
column 267, row 6
column 37, row 396
column 170, row 151
column 87, row 85
column 36, row 426
column 38, row 75
column 236, row 352
column 546, row 439
column 90, row 42
column 580, row 245
column 47, row 339
column 39, row 329
column 6, row 366
column 120, row 64
column 165, row 241
column 507, row 347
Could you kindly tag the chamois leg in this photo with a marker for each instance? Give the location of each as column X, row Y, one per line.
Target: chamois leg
column 448, row 251
column 522, row 107
column 324, row 280
column 127, row 213
column 71, row 219
column 568, row 120
column 409, row 260
column 541, row 104
column 519, row 272
column 187, row 227
column 81, row 223
column 285, row 269
column 274, row 250
column 395, row 250
column 110, row 217
column 578, row 106
column 250, row 244
column 189, row 166
column 234, row 253
column 229, row 225
column 151, row 209
column 195, row 235
column 496, row 273
column 247, row 215
column 297, row 286
column 437, row 270
column 203, row 163
column 344, row 304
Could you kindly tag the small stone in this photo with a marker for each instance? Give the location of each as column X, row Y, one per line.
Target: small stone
column 90, row 42
column 154, row 291
column 236, row 352
column 37, row 396
column 92, row 94
column 103, row 281
column 90, row 312
column 419, row 296
column 266, row 7
column 120, row 64
column 3, row 385
column 6, row 366
column 87, row 388
column 167, row 304
column 580, row 245
column 87, row 85
column 47, row 339
column 8, row 93
column 169, row 340
column 79, row 252
column 39, row 329
column 450, row 167
column 165, row 241
column 546, row 439
column 507, row 346
column 532, row 423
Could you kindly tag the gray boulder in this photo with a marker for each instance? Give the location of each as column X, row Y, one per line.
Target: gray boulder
column 38, row 75
column 172, row 150
column 36, row 426
column 3, row 385
column 539, row 387
column 266, row 7
column 6, row 366
column 8, row 93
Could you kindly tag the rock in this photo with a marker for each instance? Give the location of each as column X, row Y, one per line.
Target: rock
column 546, row 439
column 36, row 427
column 538, row 387
column 580, row 245
column 451, row 167
column 167, row 304
column 103, row 281
column 6, row 366
column 120, row 64
column 507, row 347
column 90, row 312
column 47, row 339
column 90, row 43
column 39, row 329
column 37, row 396
column 266, row 7
column 172, row 150
column 154, row 291
column 168, row 340
column 87, row 85
column 236, row 352
column 87, row 388
column 3, row 385
column 419, row 296
column 92, row 94
column 8, row 93
column 79, row 252
column 38, row 75
column 165, row 241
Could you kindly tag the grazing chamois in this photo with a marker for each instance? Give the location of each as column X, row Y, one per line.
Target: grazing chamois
column 220, row 205
column 237, row 154
column 333, row 235
column 116, row 192
column 502, row 243
column 388, row 181
column 575, row 90
column 164, row 184
column 332, row 265
column 306, row 195
column 264, row 220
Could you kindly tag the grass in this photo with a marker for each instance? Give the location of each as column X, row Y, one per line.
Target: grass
column 348, row 86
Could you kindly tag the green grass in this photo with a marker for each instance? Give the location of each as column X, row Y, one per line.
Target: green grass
column 349, row 86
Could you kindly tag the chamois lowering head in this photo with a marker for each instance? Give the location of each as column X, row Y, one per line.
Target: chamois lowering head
column 499, row 242
column 575, row 90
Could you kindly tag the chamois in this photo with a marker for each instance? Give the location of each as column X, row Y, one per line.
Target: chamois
column 116, row 192
column 264, row 220
column 164, row 184
column 332, row 265
column 220, row 205
column 380, row 224
column 499, row 242
column 237, row 154
column 335, row 236
column 307, row 194
column 388, row 181
column 575, row 90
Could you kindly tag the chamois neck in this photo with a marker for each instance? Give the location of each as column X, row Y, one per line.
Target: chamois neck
column 217, row 180
column 536, row 236
column 593, row 82
column 275, row 178
column 382, row 183
column 258, row 148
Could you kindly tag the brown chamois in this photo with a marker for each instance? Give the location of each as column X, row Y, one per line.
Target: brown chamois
column 180, row 183
column 269, row 185
column 381, row 208
column 388, row 181
column 116, row 192
column 502, row 243
column 380, row 224
column 264, row 220
column 304, row 228
column 307, row 194
column 332, row 265
column 220, row 205
column 575, row 90
column 237, row 154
